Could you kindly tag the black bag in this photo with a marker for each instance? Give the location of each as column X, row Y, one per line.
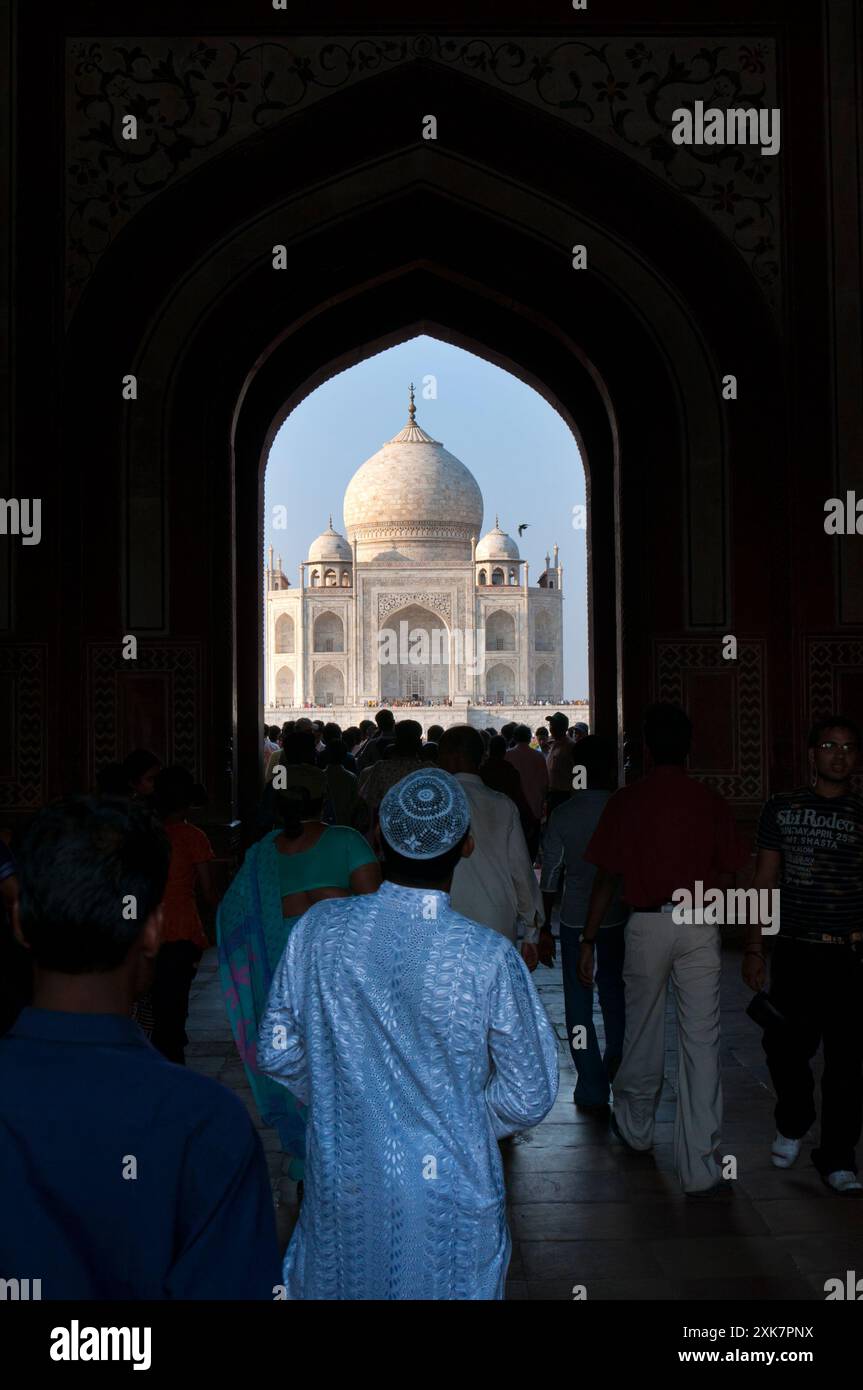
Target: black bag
column 764, row 1012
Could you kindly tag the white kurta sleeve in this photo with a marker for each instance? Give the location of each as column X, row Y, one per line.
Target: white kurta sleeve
column 281, row 1045
column 527, row 894
column 523, row 1047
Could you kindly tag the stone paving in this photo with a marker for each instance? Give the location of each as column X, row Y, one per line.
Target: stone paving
column 585, row 1211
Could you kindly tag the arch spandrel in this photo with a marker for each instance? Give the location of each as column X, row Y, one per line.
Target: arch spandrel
column 620, row 92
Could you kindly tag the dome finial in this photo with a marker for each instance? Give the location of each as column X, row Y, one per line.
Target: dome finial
column 496, row 522
column 331, row 521
column 412, row 410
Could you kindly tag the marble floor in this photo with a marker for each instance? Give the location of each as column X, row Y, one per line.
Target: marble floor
column 586, row 1213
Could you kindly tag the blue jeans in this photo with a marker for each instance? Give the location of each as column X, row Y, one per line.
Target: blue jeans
column 591, row 1066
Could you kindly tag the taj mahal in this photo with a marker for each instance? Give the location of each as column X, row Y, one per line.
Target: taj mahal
column 413, row 604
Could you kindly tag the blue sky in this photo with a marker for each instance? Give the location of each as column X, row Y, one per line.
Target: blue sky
column 520, row 451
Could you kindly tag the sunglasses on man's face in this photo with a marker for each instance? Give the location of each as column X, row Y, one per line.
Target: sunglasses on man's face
column 830, row 747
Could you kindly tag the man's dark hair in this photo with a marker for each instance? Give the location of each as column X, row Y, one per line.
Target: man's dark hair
column 434, row 733
column 421, row 873
column 832, row 721
column 351, row 737
column 507, row 731
column 83, row 863
column 334, row 754
column 273, row 732
column 497, row 746
column 294, row 806
column 598, row 756
column 331, row 733
column 541, row 732
column 299, row 747
column 175, row 789
column 464, row 741
column 288, row 728
column 521, row 734
column 368, row 727
column 408, row 739
column 667, row 733
column 139, row 761
column 385, row 720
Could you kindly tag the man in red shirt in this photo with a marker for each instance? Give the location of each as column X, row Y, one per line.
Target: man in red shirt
column 662, row 834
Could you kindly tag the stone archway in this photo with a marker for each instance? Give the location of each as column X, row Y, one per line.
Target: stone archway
column 500, row 684
column 329, row 687
column 284, row 633
column 285, row 685
column 544, row 683
column 414, row 655
column 499, row 631
column 328, row 633
column 438, row 245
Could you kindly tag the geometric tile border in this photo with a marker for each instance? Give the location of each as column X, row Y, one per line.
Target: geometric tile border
column 672, row 659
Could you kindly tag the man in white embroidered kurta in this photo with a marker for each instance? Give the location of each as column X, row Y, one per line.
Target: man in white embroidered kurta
column 497, row 884
column 418, row 1040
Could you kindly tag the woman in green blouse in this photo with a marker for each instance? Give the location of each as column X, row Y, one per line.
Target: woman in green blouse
column 282, row 876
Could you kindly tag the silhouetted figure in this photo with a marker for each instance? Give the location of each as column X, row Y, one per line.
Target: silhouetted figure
column 124, row 1176
column 810, row 847
column 183, row 938
column 662, row 834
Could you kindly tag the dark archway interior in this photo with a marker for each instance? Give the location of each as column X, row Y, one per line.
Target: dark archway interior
column 303, row 128
column 415, row 253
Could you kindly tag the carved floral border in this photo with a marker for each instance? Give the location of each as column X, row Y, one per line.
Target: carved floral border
column 195, row 97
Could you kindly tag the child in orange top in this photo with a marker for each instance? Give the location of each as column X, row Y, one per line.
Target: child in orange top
column 183, row 938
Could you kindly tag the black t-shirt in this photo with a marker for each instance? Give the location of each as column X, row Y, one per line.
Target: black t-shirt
column 821, row 842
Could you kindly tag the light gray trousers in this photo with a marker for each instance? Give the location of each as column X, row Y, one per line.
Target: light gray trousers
column 658, row 949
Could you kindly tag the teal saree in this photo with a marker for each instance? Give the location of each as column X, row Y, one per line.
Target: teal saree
column 251, row 935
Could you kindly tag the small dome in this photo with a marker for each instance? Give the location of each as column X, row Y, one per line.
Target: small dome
column 497, row 545
column 330, row 546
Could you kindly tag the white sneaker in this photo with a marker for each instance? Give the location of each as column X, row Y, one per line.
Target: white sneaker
column 785, row 1152
column 843, row 1181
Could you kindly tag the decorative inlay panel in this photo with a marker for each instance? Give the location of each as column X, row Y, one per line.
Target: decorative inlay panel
column 23, row 671
column 674, row 659
column 196, row 97
column 179, row 664
column 826, row 657
column 391, row 602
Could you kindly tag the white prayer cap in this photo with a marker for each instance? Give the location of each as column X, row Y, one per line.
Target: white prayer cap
column 424, row 814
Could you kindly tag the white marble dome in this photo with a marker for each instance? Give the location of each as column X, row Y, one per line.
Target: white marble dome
column 413, row 496
column 330, row 546
column 497, row 545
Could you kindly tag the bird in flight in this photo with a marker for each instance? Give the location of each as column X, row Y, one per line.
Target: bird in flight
column 522, row 528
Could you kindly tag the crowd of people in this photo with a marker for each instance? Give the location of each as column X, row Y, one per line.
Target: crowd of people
column 377, row 950
column 402, row 701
